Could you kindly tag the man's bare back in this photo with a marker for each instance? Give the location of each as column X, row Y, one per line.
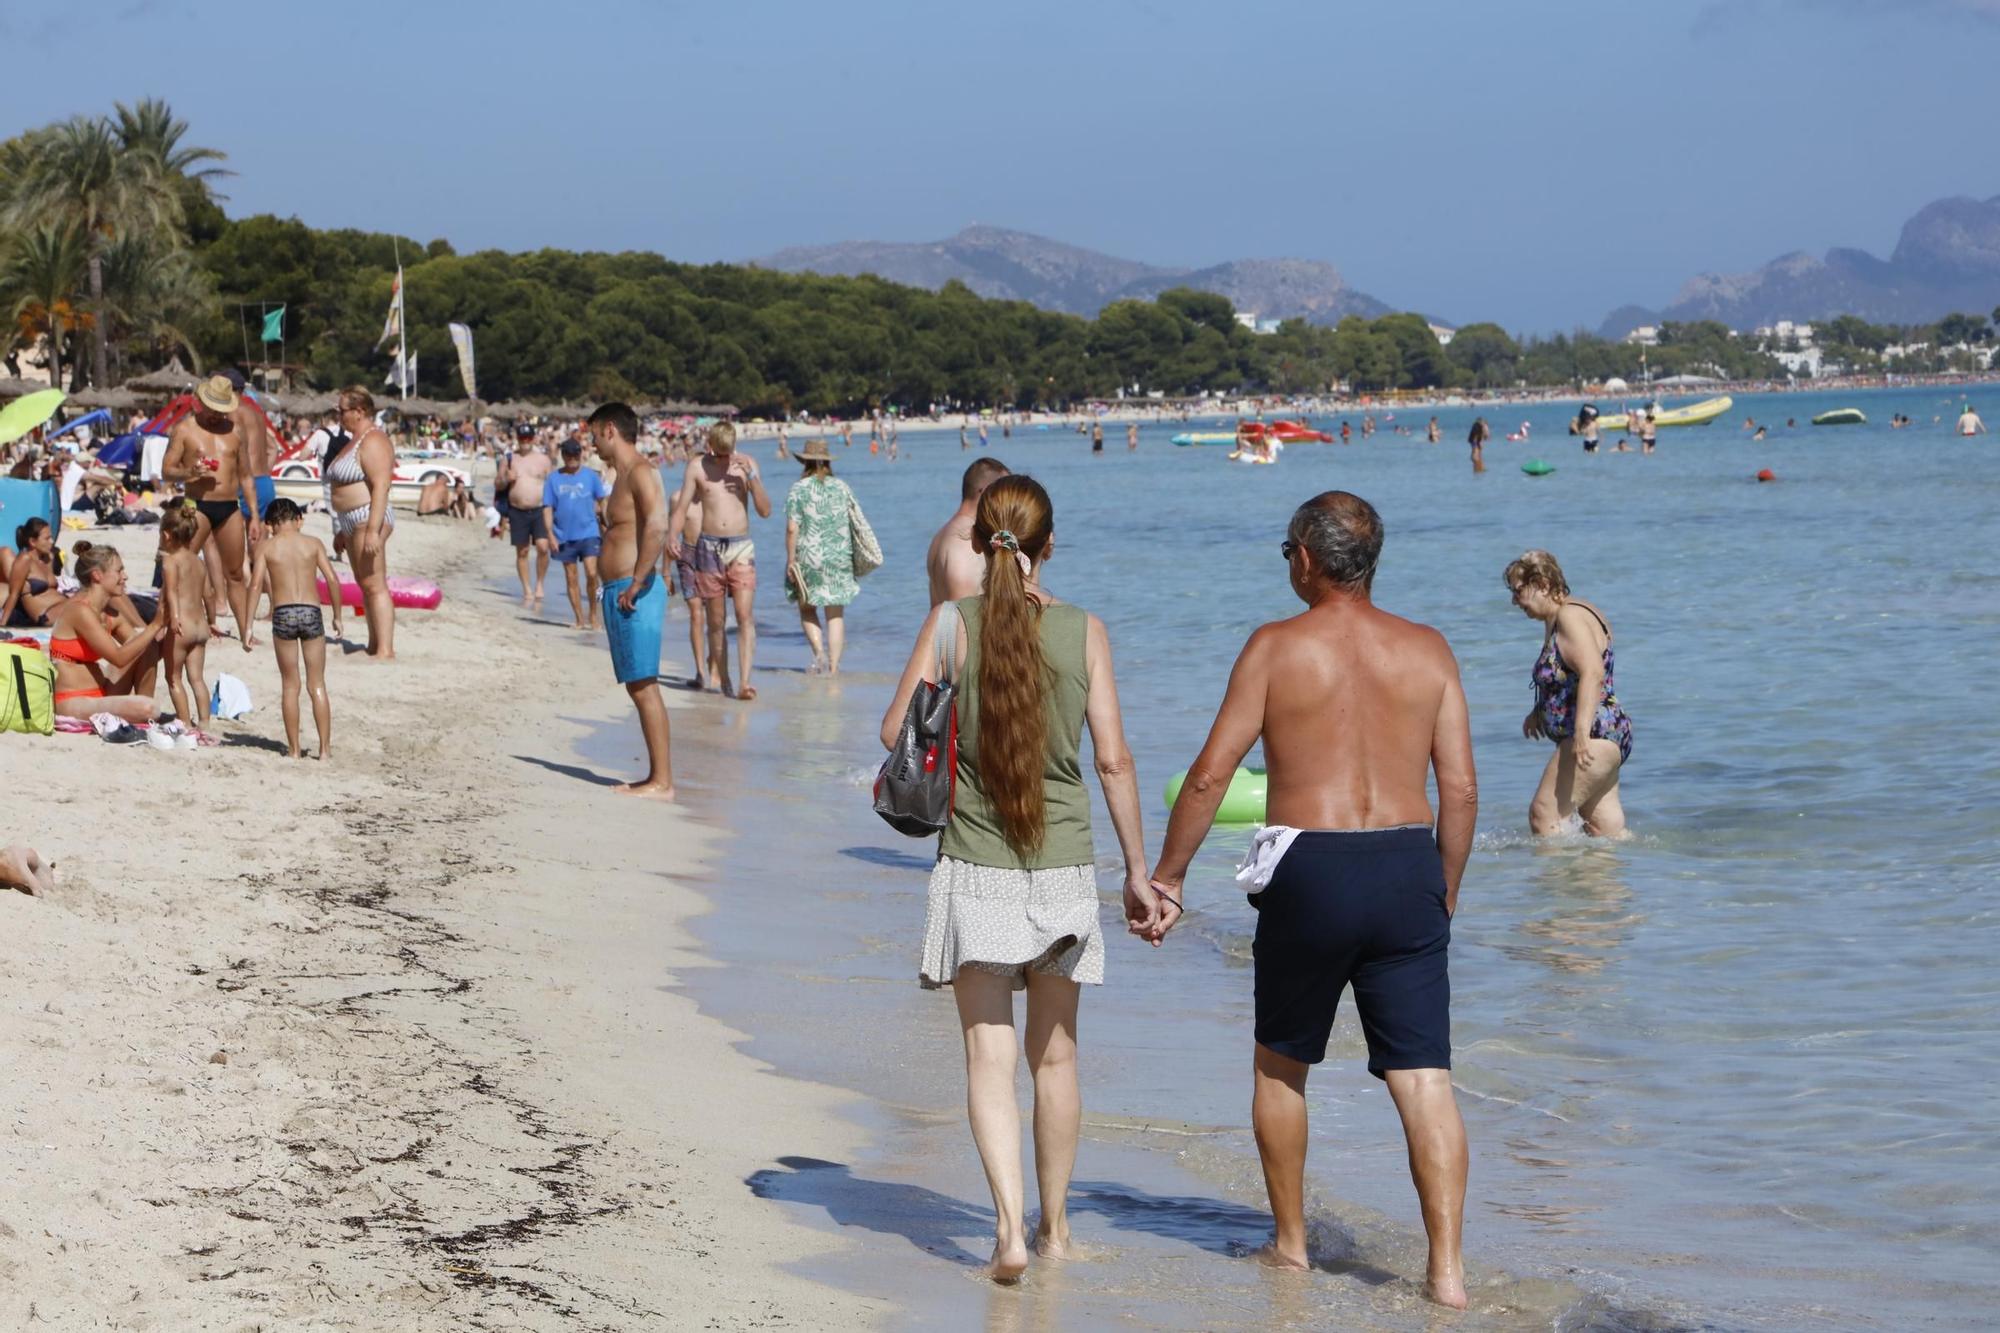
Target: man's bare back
column 256, row 440
column 955, row 569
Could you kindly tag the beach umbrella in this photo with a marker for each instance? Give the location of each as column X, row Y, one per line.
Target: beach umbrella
column 24, row 414
column 13, row 388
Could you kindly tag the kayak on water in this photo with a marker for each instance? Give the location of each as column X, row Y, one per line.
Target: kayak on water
column 1243, row 803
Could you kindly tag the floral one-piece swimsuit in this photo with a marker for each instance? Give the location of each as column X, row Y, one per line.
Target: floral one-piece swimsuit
column 1555, row 695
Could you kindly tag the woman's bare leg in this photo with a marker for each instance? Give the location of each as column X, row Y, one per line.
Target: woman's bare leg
column 1545, row 813
column 1051, row 1046
column 1596, row 792
column 809, row 622
column 836, row 637
column 372, row 573
column 986, row 1017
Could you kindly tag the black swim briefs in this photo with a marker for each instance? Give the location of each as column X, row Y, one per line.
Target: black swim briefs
column 1366, row 908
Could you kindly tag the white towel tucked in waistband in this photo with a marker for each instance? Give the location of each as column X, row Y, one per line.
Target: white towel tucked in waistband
column 1268, row 845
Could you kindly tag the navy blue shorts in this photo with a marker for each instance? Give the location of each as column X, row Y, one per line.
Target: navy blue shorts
column 569, row 552
column 1366, row 909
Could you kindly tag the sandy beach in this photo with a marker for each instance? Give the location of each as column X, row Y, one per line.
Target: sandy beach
column 394, row 1042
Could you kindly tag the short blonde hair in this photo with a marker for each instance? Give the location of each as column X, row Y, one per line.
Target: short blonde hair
column 722, row 435
column 1537, row 569
column 354, row 398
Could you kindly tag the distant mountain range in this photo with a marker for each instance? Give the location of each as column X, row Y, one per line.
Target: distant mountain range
column 1947, row 259
column 1015, row 265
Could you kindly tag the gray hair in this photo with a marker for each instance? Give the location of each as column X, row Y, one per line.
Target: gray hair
column 1344, row 534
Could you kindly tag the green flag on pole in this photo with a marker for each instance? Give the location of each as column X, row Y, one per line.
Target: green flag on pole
column 274, row 325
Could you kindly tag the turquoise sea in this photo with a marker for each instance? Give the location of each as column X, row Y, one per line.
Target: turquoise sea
column 1732, row 1073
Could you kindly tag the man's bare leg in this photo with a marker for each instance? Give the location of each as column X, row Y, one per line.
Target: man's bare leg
column 1278, row 1115
column 716, row 611
column 314, row 652
column 570, row 585
column 659, row 780
column 287, row 652
column 986, row 1017
column 698, row 641
column 593, row 591
column 1436, row 1136
column 234, row 539
column 746, row 639
column 541, row 570
column 521, row 572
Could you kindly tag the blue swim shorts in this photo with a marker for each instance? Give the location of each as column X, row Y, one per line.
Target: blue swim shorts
column 1366, row 908
column 568, row 553
column 635, row 634
column 267, row 491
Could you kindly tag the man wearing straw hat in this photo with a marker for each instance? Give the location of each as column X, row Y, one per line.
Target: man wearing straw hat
column 206, row 455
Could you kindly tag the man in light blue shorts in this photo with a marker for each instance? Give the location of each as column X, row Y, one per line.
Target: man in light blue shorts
column 573, row 513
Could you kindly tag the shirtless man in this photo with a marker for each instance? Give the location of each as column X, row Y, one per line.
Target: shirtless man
column 955, row 569
column 206, row 454
column 635, row 597
column 257, row 445
column 725, row 559
column 527, row 472
column 1354, row 707
column 683, row 567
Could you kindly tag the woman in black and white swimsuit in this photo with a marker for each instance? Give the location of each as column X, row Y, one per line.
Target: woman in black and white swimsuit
column 357, row 482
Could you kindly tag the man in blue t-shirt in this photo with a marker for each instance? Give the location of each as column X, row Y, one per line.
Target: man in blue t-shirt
column 573, row 514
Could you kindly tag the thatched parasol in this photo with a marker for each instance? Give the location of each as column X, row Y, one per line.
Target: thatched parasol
column 13, row 388
column 170, row 379
column 118, row 400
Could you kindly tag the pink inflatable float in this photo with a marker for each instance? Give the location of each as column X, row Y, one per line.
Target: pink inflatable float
column 411, row 594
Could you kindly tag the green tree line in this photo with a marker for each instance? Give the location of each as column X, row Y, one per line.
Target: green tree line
column 115, row 253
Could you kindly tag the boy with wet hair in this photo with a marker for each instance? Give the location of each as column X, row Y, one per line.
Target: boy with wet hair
column 289, row 562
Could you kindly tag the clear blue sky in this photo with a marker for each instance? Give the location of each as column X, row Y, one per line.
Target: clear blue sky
column 1532, row 161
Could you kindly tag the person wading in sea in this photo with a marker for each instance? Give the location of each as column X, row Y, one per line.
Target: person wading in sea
column 1352, row 881
column 724, row 483
column 635, row 596
column 954, row 568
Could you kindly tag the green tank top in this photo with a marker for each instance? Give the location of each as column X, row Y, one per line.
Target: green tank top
column 973, row 835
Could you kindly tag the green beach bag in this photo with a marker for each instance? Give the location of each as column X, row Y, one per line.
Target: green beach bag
column 27, row 689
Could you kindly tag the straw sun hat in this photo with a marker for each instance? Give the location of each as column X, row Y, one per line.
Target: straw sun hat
column 815, row 452
column 216, row 394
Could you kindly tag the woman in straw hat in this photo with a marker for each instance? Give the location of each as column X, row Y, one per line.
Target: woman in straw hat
column 819, row 554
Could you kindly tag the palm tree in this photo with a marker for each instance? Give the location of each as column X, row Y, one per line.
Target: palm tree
column 39, row 275
column 158, row 294
column 80, row 175
column 151, row 127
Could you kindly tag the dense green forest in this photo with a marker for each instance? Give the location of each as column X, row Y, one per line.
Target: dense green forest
column 113, row 245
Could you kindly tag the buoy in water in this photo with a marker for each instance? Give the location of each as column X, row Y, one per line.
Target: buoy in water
column 1536, row 467
column 1243, row 803
column 1766, row 474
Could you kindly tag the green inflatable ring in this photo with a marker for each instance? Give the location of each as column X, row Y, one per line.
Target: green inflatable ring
column 1243, row 803
column 1535, row 467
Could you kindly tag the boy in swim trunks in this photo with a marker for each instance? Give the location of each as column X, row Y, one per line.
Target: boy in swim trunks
column 184, row 590
column 290, row 564
column 724, row 483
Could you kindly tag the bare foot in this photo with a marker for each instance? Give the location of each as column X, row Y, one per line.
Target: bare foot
column 1010, row 1260
column 1271, row 1257
column 746, row 693
column 1052, row 1244
column 23, row 868
column 658, row 791
column 1446, row 1288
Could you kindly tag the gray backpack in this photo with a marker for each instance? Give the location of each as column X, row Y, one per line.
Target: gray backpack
column 913, row 792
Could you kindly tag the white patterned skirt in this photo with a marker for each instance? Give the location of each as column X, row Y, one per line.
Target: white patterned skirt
column 1011, row 922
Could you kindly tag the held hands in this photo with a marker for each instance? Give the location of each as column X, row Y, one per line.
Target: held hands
column 1152, row 908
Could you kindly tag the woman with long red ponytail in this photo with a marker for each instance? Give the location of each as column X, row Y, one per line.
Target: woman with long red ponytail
column 1013, row 900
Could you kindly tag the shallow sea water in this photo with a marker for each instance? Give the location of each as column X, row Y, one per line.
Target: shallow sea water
column 1731, row 1073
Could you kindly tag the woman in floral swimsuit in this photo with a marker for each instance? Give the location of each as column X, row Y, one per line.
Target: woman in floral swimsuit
column 1575, row 663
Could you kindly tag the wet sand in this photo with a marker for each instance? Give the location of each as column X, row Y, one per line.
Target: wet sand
column 395, row 1042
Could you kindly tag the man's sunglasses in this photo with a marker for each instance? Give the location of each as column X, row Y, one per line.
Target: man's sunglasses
column 1290, row 548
